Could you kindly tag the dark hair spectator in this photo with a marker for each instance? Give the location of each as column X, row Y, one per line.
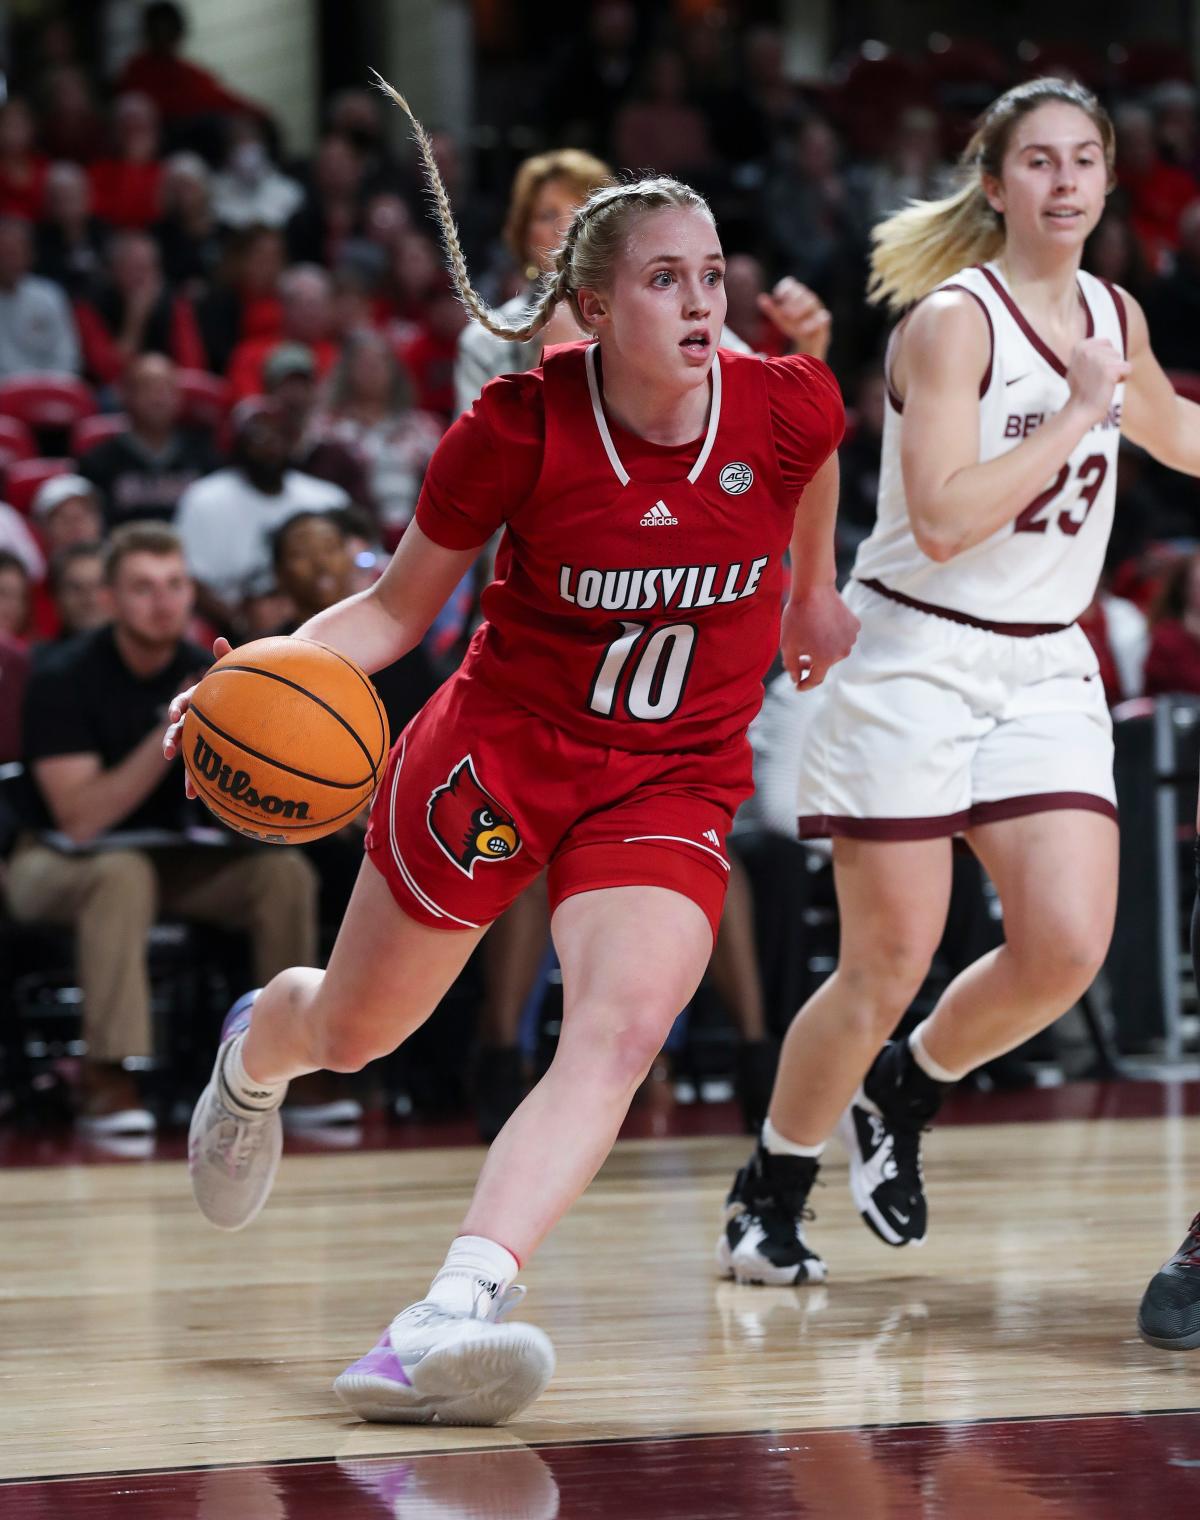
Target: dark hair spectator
column 243, row 302
column 71, row 125
column 16, row 596
column 22, row 169
column 37, row 331
column 1173, row 662
column 126, row 187
column 142, row 472
column 1173, row 302
column 70, row 241
column 136, row 312
column 79, row 589
column 180, row 89
column 306, row 316
column 248, row 189
column 1156, row 192
column 332, row 212
column 661, row 120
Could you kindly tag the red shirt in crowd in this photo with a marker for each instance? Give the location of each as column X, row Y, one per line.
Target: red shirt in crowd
column 180, row 89
column 638, row 587
column 126, row 193
column 1173, row 663
column 24, row 194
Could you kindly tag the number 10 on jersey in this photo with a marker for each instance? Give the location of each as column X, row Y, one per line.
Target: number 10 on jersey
column 658, row 663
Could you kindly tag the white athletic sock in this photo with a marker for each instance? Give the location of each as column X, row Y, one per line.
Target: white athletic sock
column 776, row 1144
column 926, row 1062
column 476, row 1271
column 242, row 1088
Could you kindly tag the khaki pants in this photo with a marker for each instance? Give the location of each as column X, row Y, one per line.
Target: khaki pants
column 113, row 898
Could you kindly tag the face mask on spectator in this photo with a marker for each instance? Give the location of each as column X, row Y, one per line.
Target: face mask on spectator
column 249, row 161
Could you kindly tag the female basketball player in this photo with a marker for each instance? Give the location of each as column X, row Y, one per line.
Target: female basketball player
column 971, row 703
column 648, row 487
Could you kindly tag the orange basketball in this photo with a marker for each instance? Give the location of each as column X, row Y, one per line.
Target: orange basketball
column 285, row 740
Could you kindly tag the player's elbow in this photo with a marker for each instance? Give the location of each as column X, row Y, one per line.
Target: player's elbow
column 933, row 540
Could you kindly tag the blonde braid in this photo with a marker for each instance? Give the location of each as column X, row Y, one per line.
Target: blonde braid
column 478, row 308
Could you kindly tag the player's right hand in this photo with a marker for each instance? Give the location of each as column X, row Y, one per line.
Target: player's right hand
column 177, row 711
column 1095, row 371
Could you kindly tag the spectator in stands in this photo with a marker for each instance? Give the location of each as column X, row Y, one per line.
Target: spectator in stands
column 1173, row 661
column 332, row 211
column 810, row 218
column 429, row 355
column 15, row 538
column 66, row 510
column 14, row 673
column 37, row 331
column 306, row 302
column 79, row 590
column 93, row 742
column 71, row 126
column 126, row 188
column 187, row 233
column 22, row 170
column 912, row 169
column 1114, row 254
column 1157, row 192
column 69, row 239
column 369, row 409
column 243, row 303
column 1175, row 125
column 662, row 121
column 355, row 114
column 181, row 90
column 248, row 190
column 142, row 472
column 16, row 596
column 1119, row 633
column 756, row 318
column 225, row 521
column 590, row 81
column 136, row 312
column 290, row 380
column 1173, row 302
column 414, row 273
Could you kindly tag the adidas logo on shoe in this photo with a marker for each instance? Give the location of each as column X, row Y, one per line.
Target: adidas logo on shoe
column 659, row 516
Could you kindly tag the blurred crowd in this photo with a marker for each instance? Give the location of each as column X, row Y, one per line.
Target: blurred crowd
column 223, row 370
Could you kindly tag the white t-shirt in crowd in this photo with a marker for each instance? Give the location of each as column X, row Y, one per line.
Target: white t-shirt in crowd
column 226, row 524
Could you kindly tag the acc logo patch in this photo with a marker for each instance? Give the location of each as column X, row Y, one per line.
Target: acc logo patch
column 736, row 478
column 468, row 822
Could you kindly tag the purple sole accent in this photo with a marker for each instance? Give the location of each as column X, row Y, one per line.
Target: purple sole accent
column 238, row 1017
column 381, row 1362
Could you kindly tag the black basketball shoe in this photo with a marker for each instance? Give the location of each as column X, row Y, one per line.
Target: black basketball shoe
column 763, row 1238
column 1169, row 1315
column 881, row 1129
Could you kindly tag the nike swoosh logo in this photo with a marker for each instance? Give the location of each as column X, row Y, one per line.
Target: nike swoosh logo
column 903, row 1218
column 1019, row 378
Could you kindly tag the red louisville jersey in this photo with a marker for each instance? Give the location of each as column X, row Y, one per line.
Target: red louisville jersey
column 638, row 589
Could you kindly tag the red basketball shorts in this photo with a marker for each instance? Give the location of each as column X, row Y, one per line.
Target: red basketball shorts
column 479, row 797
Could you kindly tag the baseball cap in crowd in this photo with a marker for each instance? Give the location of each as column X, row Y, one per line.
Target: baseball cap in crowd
column 286, row 360
column 59, row 488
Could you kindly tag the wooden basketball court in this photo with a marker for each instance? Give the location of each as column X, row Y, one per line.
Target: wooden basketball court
column 153, row 1366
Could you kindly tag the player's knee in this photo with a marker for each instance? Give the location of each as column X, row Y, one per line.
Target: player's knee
column 884, row 978
column 624, row 1047
column 1067, row 959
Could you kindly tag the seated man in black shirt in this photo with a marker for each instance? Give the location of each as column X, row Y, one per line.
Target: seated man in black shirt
column 143, row 472
column 112, row 847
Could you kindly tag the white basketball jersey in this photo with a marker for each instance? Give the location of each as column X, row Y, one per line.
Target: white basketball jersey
column 1043, row 566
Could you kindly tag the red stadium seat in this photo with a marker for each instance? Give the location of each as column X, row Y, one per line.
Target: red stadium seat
column 46, row 400
column 16, row 442
column 205, row 398
column 23, row 480
column 89, row 431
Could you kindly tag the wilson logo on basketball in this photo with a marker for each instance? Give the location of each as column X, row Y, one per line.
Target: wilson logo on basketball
column 209, row 764
column 468, row 822
column 736, row 478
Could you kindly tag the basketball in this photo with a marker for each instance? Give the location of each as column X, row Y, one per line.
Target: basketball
column 285, row 740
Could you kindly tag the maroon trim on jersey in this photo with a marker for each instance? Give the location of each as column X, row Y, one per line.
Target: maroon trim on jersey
column 1022, row 322
column 1122, row 315
column 942, row 826
column 896, row 400
column 1014, row 630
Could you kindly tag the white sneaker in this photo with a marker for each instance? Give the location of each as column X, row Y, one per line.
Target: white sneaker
column 459, row 1369
column 233, row 1152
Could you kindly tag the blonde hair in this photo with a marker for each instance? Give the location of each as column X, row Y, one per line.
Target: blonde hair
column 588, row 253
column 928, row 241
column 581, row 172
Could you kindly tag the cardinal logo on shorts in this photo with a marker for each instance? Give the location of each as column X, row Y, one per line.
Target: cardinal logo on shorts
column 468, row 822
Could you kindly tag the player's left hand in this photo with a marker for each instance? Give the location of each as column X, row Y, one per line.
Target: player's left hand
column 818, row 630
column 800, row 315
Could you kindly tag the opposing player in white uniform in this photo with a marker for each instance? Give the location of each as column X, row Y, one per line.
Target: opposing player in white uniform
column 971, row 703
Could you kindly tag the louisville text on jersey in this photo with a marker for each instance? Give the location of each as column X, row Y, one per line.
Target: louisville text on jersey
column 671, row 587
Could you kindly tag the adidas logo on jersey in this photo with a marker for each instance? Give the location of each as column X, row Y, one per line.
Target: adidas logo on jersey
column 711, row 834
column 659, row 516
